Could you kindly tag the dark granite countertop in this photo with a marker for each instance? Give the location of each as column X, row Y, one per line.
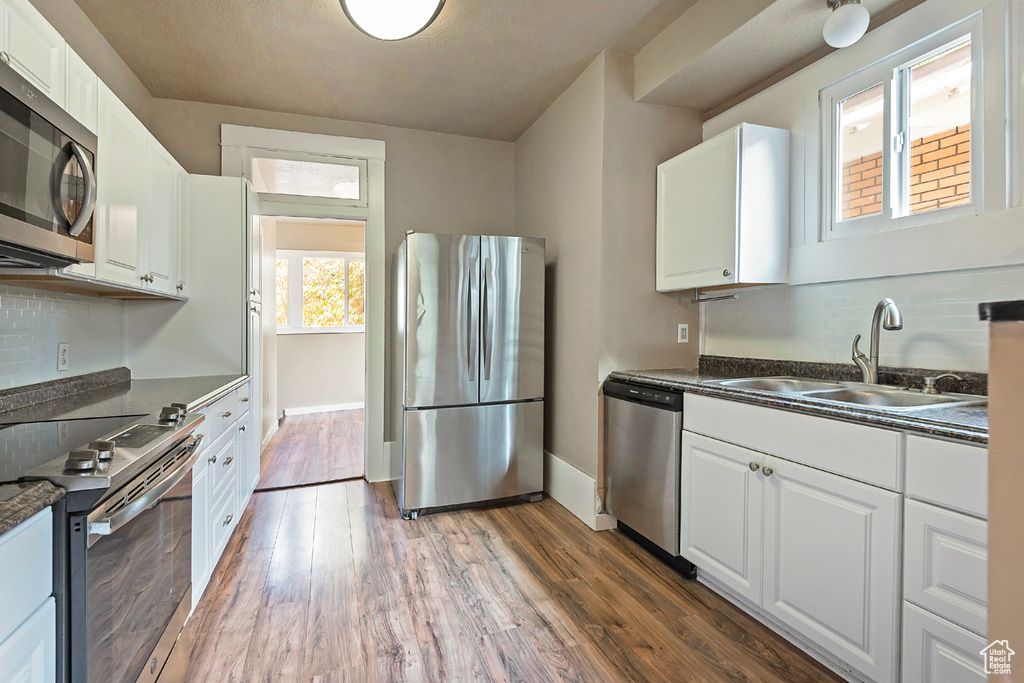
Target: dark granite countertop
column 966, row 423
column 139, row 397
column 18, row 502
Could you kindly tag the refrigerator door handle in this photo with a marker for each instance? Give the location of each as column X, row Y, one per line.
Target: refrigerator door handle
column 470, row 342
column 488, row 333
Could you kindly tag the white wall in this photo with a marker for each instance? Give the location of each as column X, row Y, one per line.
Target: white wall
column 320, row 370
column 941, row 329
column 33, row 322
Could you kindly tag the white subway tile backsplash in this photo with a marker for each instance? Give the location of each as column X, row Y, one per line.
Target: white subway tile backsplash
column 33, row 322
column 941, row 328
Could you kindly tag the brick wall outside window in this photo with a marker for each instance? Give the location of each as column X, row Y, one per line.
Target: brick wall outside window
column 940, row 175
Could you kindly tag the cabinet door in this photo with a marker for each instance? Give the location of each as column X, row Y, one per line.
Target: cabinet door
column 936, row 651
column 29, row 655
column 698, row 216
column 160, row 219
column 255, row 371
column 33, row 48
column 254, row 243
column 82, row 91
column 831, row 563
column 201, row 565
column 248, row 470
column 120, row 189
column 720, row 512
column 184, row 235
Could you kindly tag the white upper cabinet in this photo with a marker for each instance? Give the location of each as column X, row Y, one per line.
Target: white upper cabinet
column 82, row 91
column 723, row 211
column 182, row 288
column 33, row 48
column 121, row 188
column 160, row 219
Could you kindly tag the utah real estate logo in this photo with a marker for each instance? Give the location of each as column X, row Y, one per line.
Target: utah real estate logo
column 997, row 657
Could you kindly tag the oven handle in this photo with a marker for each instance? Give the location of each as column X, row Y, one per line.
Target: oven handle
column 108, row 525
column 89, row 200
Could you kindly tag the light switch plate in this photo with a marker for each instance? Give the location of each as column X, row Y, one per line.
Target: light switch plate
column 63, row 357
column 683, row 334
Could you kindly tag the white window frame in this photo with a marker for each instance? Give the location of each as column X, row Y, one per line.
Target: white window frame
column 893, row 73
column 294, row 258
column 359, row 202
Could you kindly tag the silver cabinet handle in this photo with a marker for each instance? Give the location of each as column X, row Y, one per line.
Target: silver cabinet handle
column 253, row 292
column 228, row 520
column 213, row 459
column 726, row 272
column 242, row 428
column 226, row 415
column 768, row 471
column 5, row 58
column 180, row 286
column 230, row 460
column 245, row 400
column 754, row 467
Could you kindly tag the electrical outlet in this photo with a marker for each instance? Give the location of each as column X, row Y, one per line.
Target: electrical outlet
column 63, row 357
column 683, row 334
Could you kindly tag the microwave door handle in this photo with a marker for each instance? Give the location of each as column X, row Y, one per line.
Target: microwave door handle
column 89, row 200
column 107, row 525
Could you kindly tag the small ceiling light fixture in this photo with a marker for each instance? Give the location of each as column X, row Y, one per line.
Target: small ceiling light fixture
column 391, row 19
column 847, row 23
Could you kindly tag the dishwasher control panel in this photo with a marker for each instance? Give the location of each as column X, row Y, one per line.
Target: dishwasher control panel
column 670, row 400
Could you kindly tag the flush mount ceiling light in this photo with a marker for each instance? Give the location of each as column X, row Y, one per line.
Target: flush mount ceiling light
column 847, row 23
column 391, row 19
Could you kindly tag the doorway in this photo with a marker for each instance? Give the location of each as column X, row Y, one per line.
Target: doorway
column 319, row 371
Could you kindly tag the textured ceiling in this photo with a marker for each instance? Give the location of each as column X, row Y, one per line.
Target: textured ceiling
column 785, row 32
column 485, row 68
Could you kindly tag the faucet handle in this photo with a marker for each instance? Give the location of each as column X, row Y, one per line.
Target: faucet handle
column 857, row 353
column 930, row 382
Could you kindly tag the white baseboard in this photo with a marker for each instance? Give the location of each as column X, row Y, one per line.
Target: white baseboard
column 323, row 409
column 574, row 490
column 269, row 436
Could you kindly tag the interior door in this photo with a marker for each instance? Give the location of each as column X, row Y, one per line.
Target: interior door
column 511, row 319
column 442, row 320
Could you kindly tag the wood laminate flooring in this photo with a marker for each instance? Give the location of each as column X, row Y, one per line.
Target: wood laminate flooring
column 328, row 583
column 312, row 449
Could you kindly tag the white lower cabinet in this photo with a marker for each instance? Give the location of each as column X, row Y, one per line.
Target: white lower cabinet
column 817, row 552
column 831, row 563
column 938, row 651
column 29, row 655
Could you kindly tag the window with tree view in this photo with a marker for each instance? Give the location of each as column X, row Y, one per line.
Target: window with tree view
column 320, row 291
column 901, row 134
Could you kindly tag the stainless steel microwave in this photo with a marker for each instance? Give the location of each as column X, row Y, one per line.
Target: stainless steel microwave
column 47, row 179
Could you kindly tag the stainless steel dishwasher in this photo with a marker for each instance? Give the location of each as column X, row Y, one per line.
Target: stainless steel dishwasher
column 643, row 430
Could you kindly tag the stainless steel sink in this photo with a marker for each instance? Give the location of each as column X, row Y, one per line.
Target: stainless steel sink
column 868, row 395
column 780, row 385
column 894, row 399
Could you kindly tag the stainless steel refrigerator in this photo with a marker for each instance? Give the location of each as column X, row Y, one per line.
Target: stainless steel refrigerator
column 468, row 369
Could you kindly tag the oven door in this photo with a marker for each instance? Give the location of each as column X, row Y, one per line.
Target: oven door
column 131, row 568
column 47, row 180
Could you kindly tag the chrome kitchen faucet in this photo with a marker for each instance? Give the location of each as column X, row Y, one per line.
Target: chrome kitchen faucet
column 887, row 315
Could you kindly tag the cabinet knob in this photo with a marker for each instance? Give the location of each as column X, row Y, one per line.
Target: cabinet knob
column 228, row 520
column 226, row 415
column 245, row 400
column 768, row 471
column 754, row 467
column 5, row 58
column 181, row 286
column 726, row 273
column 230, row 460
column 253, row 292
column 213, row 459
column 242, row 428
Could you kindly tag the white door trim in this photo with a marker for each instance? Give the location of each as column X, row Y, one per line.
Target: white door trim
column 237, row 146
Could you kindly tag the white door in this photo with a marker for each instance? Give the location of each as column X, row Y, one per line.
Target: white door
column 82, row 91
column 33, row 48
column 720, row 512
column 160, row 219
column 831, row 563
column 698, row 215
column 937, row 651
column 254, row 248
column 120, row 191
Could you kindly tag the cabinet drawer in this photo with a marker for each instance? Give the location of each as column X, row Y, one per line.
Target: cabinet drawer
column 222, row 463
column 936, row 651
column 949, row 474
column 30, row 653
column 867, row 454
column 244, row 394
column 220, row 415
column 26, row 556
column 946, row 564
column 222, row 521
